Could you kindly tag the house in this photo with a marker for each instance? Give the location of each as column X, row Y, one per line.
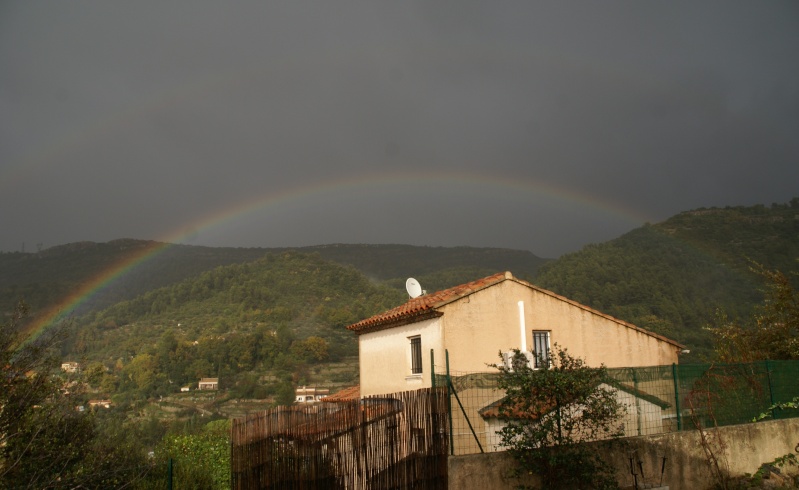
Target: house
column 100, row 403
column 208, row 384
column 305, row 394
column 474, row 322
column 70, row 367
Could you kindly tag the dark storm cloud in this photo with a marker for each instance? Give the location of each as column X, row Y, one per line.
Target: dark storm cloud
column 140, row 119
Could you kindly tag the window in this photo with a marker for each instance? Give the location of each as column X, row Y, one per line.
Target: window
column 416, row 355
column 540, row 349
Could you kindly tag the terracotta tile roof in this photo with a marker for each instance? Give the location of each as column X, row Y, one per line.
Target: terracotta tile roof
column 504, row 408
column 425, row 306
column 345, row 395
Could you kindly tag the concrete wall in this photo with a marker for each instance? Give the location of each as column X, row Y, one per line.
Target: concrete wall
column 482, row 472
column 740, row 449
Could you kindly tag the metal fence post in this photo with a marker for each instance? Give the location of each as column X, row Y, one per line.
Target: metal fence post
column 676, row 395
column 638, row 417
column 169, row 474
column 770, row 389
column 449, row 405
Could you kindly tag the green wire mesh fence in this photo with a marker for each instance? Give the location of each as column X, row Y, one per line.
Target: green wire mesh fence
column 657, row 399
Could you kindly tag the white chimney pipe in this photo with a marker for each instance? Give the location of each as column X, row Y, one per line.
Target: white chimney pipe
column 522, row 327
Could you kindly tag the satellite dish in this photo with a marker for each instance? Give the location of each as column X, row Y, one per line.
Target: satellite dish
column 413, row 287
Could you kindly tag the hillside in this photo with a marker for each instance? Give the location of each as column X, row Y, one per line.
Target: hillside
column 386, row 262
column 669, row 277
column 672, row 277
column 272, row 319
column 44, row 277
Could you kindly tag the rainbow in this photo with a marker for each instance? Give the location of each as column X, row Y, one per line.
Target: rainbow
column 515, row 188
column 63, row 309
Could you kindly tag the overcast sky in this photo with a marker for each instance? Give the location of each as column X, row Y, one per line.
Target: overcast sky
column 532, row 125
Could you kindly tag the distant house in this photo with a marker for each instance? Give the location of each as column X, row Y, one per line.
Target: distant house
column 70, row 367
column 100, row 403
column 475, row 321
column 306, row 394
column 208, row 384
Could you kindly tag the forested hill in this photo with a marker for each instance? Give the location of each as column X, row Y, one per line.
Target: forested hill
column 45, row 277
column 672, row 277
column 669, row 277
column 399, row 261
column 275, row 316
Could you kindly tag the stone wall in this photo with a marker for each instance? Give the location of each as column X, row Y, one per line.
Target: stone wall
column 739, row 449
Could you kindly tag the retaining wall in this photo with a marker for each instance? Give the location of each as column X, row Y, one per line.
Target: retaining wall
column 739, row 449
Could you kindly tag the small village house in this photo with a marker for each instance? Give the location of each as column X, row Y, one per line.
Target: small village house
column 208, row 384
column 305, row 394
column 70, row 367
column 100, row 403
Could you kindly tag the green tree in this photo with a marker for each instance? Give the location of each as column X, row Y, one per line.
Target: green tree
column 771, row 333
column 551, row 414
column 44, row 441
column 201, row 459
column 312, row 349
column 94, row 373
column 142, row 371
column 285, row 393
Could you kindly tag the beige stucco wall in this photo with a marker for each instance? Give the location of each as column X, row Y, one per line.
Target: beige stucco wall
column 385, row 363
column 477, row 327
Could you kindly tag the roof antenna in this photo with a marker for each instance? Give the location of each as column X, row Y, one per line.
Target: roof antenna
column 413, row 287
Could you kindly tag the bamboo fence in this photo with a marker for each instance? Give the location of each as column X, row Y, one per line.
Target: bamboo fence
column 396, row 441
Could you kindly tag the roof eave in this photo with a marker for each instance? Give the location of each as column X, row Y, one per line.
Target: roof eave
column 397, row 322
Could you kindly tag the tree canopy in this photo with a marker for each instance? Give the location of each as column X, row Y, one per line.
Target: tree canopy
column 551, row 413
column 45, row 442
column 772, row 332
